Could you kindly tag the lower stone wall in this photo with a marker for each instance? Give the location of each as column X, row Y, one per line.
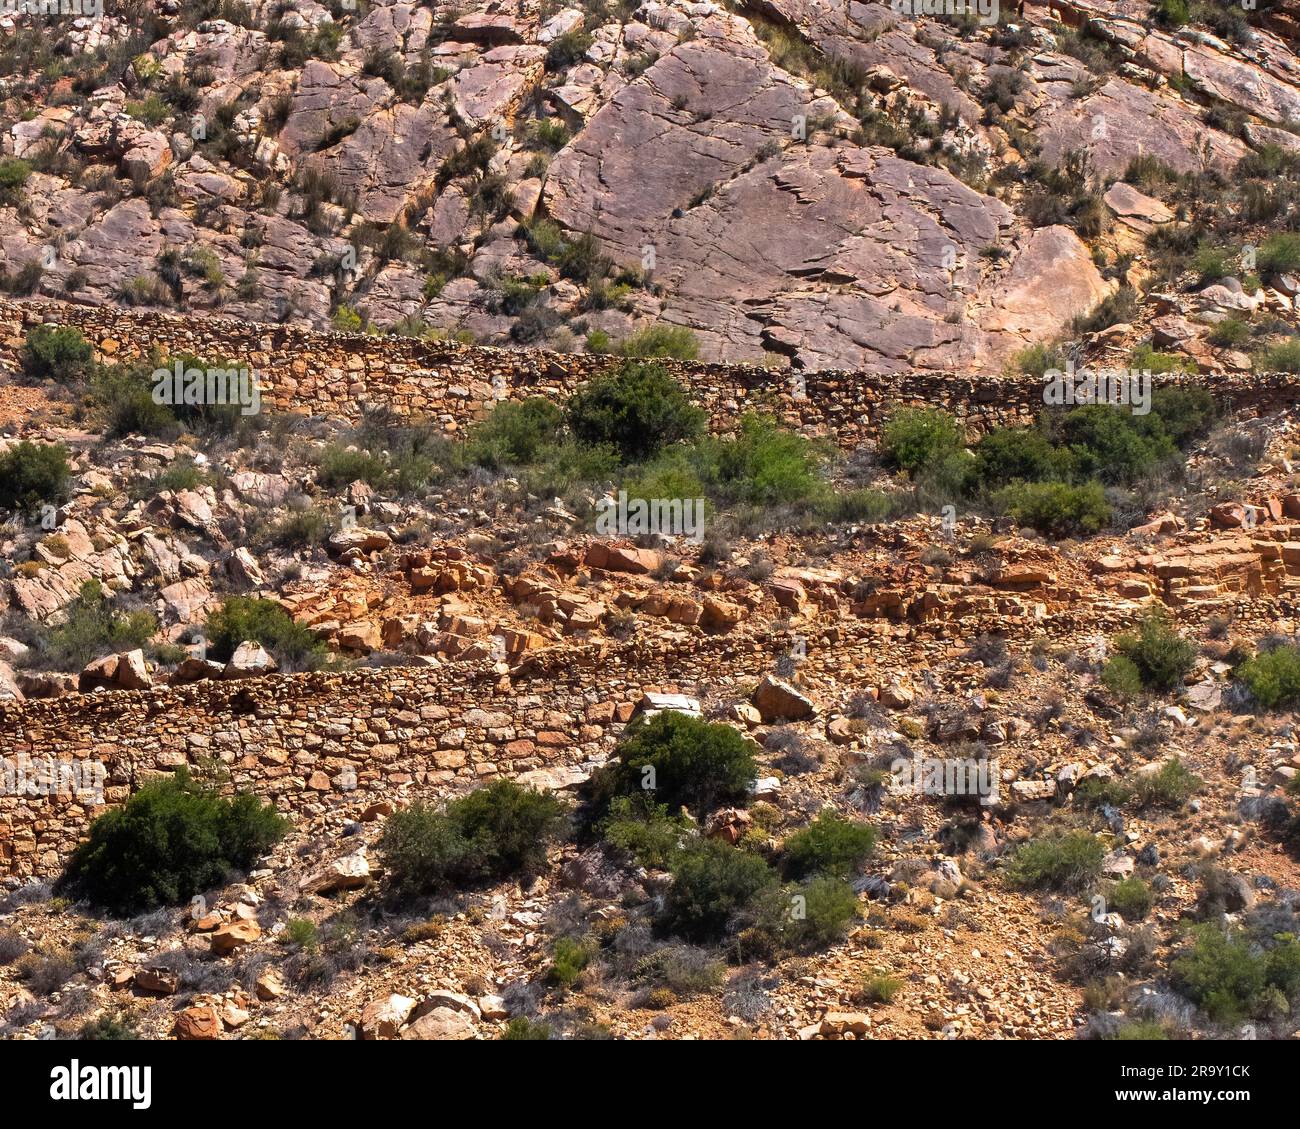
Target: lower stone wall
column 315, row 741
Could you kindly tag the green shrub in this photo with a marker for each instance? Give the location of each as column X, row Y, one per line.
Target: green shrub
column 1138, row 1031
column 1279, row 254
column 1161, row 655
column 1113, row 445
column 33, row 475
column 1184, row 413
column 1066, row 861
column 1145, row 358
column 637, row 410
column 341, row 466
column 1008, row 454
column 1038, row 359
column 1273, row 677
column 56, row 352
column 1229, row 333
column 173, row 839
column 123, row 397
column 109, row 1026
column 1212, row 262
column 91, row 627
column 347, row 320
column 830, row 845
column 523, row 1028
column 241, row 618
column 567, row 49
column 681, row 761
column 1171, row 787
column 711, row 883
column 828, row 909
column 497, row 831
column 1132, row 898
column 1121, row 677
column 302, row 932
column 568, row 959
column 881, row 989
column 13, row 176
column 1055, row 508
column 516, row 432
column 673, row 341
column 917, row 437
column 1230, row 977
column 642, row 829
column 1284, row 357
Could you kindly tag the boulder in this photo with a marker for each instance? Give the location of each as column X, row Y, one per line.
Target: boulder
column 777, row 700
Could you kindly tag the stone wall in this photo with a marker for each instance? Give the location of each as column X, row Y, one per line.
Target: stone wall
column 336, row 375
column 315, row 741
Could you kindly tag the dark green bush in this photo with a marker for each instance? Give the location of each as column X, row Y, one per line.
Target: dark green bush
column 1113, row 445
column 1273, row 676
column 712, row 882
column 173, row 839
column 1132, row 898
column 1121, row 677
column 1161, row 655
column 495, row 832
column 642, row 829
column 918, row 437
column 1014, row 454
column 13, row 176
column 1055, row 508
column 568, row 959
column 33, row 475
column 637, row 410
column 340, row 466
column 681, row 761
column 56, row 352
column 521, row 1028
column 109, row 1026
column 241, row 618
column 1067, row 861
column 830, row 845
column 1232, row 976
column 516, row 433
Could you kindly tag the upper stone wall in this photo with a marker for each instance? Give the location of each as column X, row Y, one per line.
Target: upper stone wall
column 337, row 375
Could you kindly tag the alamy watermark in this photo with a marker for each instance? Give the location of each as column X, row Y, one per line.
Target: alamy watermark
column 208, row 387
column 668, row 517
column 986, row 11
column 44, row 776
column 77, row 9
column 1117, row 387
column 953, row 776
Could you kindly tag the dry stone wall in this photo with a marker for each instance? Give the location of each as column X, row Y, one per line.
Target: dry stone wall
column 312, row 741
column 315, row 741
column 337, row 375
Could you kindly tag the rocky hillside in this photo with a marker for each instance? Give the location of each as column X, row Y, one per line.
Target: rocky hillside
column 748, row 649
column 811, row 185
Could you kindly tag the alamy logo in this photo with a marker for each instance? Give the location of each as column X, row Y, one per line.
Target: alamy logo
column 986, row 11
column 937, row 776
column 44, row 776
column 209, row 387
column 669, row 517
column 75, row 1082
column 88, row 9
column 1117, row 387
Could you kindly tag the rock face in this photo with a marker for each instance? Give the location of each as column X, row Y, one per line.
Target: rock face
column 735, row 195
